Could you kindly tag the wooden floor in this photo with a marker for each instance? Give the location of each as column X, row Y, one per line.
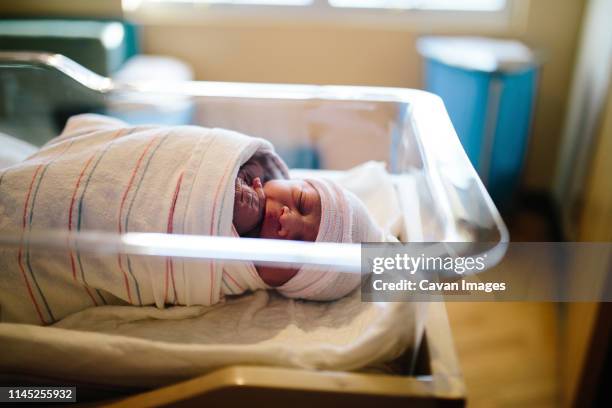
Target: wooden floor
column 508, row 351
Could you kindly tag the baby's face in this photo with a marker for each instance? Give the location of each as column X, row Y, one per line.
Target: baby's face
column 293, row 210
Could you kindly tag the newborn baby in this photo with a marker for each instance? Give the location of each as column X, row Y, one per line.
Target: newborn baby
column 277, row 209
column 303, row 210
column 100, row 174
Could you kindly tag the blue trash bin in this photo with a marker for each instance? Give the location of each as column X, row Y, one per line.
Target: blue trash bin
column 489, row 88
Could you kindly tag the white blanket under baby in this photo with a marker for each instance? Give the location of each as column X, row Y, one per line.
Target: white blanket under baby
column 127, row 346
column 101, row 174
column 146, row 346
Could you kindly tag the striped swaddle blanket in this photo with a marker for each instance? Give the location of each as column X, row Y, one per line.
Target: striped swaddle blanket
column 101, row 174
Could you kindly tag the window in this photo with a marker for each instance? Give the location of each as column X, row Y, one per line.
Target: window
column 431, row 15
column 472, row 5
column 240, row 2
column 467, row 5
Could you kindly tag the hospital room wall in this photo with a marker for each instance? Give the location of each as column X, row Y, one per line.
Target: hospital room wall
column 304, row 51
column 317, row 53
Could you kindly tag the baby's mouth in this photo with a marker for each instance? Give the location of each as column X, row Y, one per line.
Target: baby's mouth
column 272, row 217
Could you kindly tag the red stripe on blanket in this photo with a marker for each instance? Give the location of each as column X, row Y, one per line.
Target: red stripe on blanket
column 131, row 181
column 25, row 278
column 233, row 280
column 169, row 230
column 123, row 198
column 20, row 253
column 90, row 295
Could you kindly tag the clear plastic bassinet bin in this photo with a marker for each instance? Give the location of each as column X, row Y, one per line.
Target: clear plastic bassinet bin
column 322, row 129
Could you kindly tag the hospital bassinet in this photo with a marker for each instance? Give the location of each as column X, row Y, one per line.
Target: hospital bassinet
column 317, row 127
